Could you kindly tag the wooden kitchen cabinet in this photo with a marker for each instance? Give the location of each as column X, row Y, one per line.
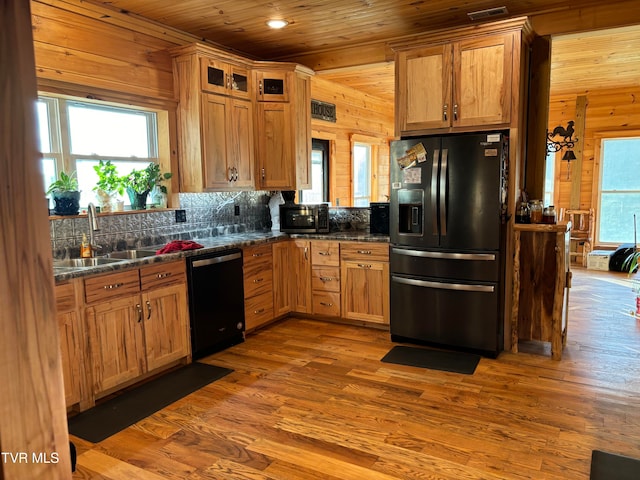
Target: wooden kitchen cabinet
column 364, row 275
column 465, row 79
column 284, row 282
column 325, row 278
column 227, row 142
column 283, row 129
column 137, row 322
column 224, row 78
column 215, row 119
column 272, row 86
column 72, row 341
column 301, row 272
column 258, row 285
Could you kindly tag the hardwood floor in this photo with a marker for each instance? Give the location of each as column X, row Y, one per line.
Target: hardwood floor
column 311, row 400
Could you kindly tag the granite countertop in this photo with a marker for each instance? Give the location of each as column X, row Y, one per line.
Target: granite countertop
column 211, row 245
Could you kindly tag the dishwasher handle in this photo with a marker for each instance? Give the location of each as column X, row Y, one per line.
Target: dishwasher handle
column 214, row 260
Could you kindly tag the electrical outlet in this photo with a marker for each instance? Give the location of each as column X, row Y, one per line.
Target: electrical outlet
column 236, row 209
column 181, row 216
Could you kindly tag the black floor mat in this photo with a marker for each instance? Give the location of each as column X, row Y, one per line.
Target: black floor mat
column 122, row 411
column 609, row 466
column 457, row 362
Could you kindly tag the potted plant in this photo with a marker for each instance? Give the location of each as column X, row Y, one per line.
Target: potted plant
column 109, row 186
column 65, row 194
column 140, row 182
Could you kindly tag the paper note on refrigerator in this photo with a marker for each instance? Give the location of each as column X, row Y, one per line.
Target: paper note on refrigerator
column 412, row 175
column 416, row 154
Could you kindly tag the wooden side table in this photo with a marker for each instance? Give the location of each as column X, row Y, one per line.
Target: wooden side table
column 541, row 282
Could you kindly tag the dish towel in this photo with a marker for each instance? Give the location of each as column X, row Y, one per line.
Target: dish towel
column 178, row 246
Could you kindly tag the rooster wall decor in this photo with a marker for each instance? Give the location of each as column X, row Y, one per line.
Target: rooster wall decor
column 564, row 136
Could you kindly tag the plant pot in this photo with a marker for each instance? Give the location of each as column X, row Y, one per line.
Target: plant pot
column 66, row 203
column 138, row 200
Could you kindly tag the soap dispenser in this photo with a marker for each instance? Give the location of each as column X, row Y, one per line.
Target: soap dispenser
column 85, row 248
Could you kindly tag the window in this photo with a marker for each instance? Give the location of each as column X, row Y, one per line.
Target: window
column 619, row 190
column 319, row 173
column 549, row 175
column 361, row 174
column 75, row 135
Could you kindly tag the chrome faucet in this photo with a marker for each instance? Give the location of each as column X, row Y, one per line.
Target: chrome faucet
column 93, row 227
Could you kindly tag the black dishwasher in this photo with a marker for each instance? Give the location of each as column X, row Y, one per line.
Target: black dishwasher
column 216, row 301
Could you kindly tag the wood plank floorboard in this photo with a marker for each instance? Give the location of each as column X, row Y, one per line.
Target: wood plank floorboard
column 310, row 400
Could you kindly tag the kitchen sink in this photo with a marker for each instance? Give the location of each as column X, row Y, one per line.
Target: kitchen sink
column 84, row 262
column 131, row 254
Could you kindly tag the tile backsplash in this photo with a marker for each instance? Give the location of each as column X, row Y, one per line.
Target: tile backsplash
column 208, row 215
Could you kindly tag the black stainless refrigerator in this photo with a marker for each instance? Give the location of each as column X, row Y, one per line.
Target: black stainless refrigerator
column 448, row 223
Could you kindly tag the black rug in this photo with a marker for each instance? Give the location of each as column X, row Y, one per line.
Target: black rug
column 122, row 411
column 609, row 466
column 457, row 362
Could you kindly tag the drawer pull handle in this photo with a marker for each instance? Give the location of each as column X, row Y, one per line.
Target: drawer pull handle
column 325, row 304
column 148, row 309
column 258, row 311
column 364, row 265
column 364, row 252
column 326, row 279
column 326, row 254
column 163, row 275
column 257, row 254
column 258, row 280
column 113, row 286
column 139, row 308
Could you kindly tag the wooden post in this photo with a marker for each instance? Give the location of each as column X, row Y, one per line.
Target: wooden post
column 33, row 421
column 576, row 168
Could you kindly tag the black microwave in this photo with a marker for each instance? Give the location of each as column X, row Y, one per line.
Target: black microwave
column 297, row 218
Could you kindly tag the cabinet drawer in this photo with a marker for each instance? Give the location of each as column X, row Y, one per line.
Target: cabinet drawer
column 257, row 253
column 325, row 253
column 65, row 297
column 326, row 303
column 258, row 310
column 106, row 287
column 366, row 251
column 162, row 274
column 259, row 282
column 326, row 279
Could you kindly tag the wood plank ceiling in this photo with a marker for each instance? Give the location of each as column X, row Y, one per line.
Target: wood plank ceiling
column 343, row 32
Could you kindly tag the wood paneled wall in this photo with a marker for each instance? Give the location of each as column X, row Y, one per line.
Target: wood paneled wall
column 614, row 112
column 358, row 114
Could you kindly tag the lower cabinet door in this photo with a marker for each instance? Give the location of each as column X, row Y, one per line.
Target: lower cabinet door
column 166, row 325
column 365, row 288
column 116, row 341
column 71, row 355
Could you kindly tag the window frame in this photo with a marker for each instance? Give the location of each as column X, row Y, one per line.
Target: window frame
column 600, row 138
column 58, row 121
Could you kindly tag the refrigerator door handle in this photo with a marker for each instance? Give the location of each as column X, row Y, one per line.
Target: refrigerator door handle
column 445, row 255
column 434, row 191
column 443, row 192
column 443, row 286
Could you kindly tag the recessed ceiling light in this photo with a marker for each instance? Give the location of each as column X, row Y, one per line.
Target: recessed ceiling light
column 277, row 23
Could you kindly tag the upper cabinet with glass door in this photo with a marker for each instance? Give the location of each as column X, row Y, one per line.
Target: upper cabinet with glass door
column 463, row 79
column 224, row 78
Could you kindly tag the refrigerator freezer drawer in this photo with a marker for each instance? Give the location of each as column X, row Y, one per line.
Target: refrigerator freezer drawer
column 456, row 314
column 481, row 266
